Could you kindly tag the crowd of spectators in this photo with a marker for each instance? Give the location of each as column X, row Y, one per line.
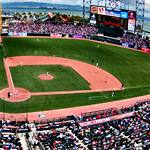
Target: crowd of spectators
column 14, row 126
column 136, row 107
column 9, row 141
column 59, row 139
column 118, row 134
column 50, row 28
column 128, row 132
column 98, row 114
column 125, row 133
column 133, row 40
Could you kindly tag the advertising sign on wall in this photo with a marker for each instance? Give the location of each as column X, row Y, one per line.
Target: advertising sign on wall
column 131, row 14
column 93, row 21
column 112, row 13
column 77, row 36
column 94, row 9
column 56, row 35
column 124, row 14
column 101, row 10
column 131, row 24
column 145, row 49
column 98, row 121
column 125, row 44
column 17, row 34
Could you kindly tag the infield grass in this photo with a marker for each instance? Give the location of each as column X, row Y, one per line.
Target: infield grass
column 65, row 78
column 130, row 67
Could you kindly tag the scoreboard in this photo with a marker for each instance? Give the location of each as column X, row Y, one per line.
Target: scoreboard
column 123, row 19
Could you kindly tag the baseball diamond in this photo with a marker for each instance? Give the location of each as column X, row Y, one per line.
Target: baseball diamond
column 72, row 79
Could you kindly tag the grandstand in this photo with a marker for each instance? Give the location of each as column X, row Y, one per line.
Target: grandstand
column 98, row 127
column 128, row 130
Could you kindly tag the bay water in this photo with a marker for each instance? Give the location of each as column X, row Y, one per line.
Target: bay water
column 68, row 12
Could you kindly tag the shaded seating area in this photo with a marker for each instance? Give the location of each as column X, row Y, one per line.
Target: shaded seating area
column 9, row 141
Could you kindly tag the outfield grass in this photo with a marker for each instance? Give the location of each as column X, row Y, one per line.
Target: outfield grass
column 130, row 67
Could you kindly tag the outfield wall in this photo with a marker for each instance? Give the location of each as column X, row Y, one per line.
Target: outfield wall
column 106, row 39
column 98, row 37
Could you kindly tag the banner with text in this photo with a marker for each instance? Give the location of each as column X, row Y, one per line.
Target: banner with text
column 112, row 13
column 131, row 14
column 98, row 121
column 101, row 10
column 125, row 44
column 94, row 9
column 145, row 50
column 124, row 14
column 17, row 34
column 77, row 36
column 56, row 35
column 131, row 24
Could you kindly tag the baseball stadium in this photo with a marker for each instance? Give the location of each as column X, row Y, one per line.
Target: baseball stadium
column 76, row 81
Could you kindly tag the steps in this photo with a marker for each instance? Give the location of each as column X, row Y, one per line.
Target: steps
column 23, row 141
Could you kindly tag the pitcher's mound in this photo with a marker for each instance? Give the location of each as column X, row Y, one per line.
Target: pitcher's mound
column 46, row 77
column 20, row 95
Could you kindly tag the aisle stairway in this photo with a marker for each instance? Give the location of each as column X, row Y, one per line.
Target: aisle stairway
column 32, row 135
column 32, row 139
column 80, row 142
column 23, row 141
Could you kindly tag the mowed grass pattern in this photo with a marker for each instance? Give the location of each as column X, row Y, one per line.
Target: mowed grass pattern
column 129, row 66
column 125, row 64
column 65, row 78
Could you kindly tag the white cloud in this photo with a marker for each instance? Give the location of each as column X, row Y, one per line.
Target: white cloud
column 69, row 2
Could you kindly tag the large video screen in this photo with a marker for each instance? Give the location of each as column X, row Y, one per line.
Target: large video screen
column 122, row 19
column 109, row 20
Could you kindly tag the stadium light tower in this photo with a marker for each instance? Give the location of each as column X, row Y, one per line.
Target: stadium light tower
column 140, row 8
column 86, row 9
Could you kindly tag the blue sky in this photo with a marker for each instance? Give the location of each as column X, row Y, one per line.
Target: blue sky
column 132, row 3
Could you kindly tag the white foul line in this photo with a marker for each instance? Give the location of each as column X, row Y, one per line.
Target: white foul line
column 97, row 96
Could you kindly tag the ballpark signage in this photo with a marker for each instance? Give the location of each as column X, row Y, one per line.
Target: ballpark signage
column 145, row 49
column 98, row 121
column 56, row 35
column 77, row 36
column 131, row 14
column 112, row 13
column 94, row 9
column 124, row 14
column 17, row 34
column 125, row 45
column 101, row 10
column 131, row 24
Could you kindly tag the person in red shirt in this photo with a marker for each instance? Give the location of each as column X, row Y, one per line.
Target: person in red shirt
column 98, row 116
column 107, row 114
column 90, row 118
